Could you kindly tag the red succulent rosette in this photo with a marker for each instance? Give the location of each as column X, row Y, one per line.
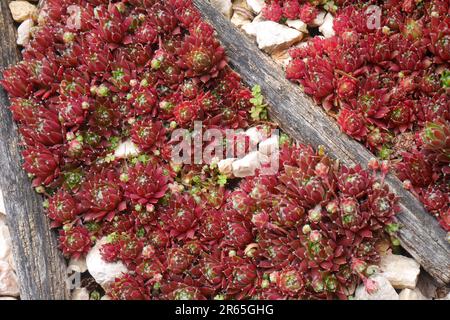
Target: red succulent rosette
column 352, row 123
column 182, row 216
column 42, row 163
column 62, row 208
column 101, row 196
column 75, row 241
column 129, row 287
column 145, row 183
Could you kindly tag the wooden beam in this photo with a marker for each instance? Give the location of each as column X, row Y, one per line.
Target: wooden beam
column 40, row 267
column 296, row 114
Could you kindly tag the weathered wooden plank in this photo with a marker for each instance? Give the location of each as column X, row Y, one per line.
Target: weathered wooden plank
column 420, row 235
column 40, row 267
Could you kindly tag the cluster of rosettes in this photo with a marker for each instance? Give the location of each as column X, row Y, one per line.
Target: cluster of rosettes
column 312, row 231
column 305, row 10
column 102, row 75
column 388, row 86
column 98, row 74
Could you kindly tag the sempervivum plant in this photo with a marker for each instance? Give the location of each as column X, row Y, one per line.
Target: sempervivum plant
column 385, row 84
column 96, row 101
column 304, row 10
column 75, row 241
column 100, row 195
column 436, row 140
column 145, row 183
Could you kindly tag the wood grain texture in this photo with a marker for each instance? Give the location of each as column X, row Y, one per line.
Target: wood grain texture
column 296, row 114
column 40, row 267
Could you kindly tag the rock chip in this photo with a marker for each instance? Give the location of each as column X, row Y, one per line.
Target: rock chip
column 5, row 242
column 250, row 29
column 103, row 272
column 282, row 57
column 272, row 36
column 240, row 3
column 259, row 18
column 2, row 204
column 225, row 166
column 402, row 272
column 78, row 265
column 247, row 165
column 298, row 25
column 80, row 294
column 239, row 19
column 255, row 135
column 408, row 294
column 256, row 5
column 269, row 146
column 384, row 291
column 327, row 27
column 318, row 20
column 223, row 6
column 22, row 10
column 7, row 298
column 8, row 280
column 24, row 32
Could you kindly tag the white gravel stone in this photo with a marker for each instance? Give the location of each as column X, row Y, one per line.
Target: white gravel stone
column 5, row 242
column 385, row 290
column 409, row 294
column 318, row 20
column 298, row 25
column 22, row 10
column 225, row 166
column 255, row 135
column 7, row 298
column 402, row 272
column 80, row 294
column 240, row 20
column 105, row 297
column 269, row 146
column 250, row 29
column 249, row 164
column 2, row 204
column 272, row 36
column 282, row 58
column 78, row 265
column 224, row 7
column 103, row 272
column 24, row 32
column 259, row 18
column 256, row 5
column 327, row 27
column 8, row 280
column 126, row 149
column 241, row 4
